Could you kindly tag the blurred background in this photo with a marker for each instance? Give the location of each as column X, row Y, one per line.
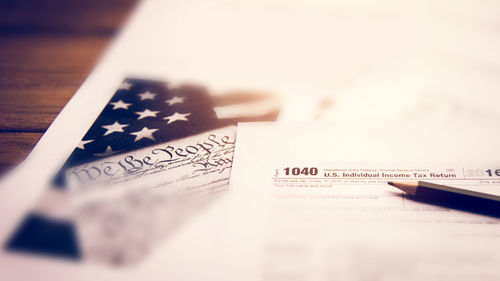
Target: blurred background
column 47, row 49
column 331, row 60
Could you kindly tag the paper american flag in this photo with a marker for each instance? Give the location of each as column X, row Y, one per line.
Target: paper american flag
column 144, row 112
column 141, row 113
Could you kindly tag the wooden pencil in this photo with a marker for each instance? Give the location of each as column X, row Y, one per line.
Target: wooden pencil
column 451, row 197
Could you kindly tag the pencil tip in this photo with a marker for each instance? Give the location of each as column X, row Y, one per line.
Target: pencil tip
column 408, row 187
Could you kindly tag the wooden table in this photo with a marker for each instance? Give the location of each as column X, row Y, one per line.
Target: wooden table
column 47, row 49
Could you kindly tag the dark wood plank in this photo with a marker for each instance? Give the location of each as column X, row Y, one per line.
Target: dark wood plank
column 48, row 47
column 63, row 16
column 15, row 147
column 39, row 74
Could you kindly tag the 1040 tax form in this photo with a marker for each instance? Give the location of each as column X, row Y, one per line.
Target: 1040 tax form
column 312, row 202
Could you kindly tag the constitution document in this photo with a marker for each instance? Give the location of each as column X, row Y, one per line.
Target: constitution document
column 315, row 205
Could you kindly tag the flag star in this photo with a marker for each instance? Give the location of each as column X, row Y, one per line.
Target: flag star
column 115, row 127
column 144, row 133
column 108, row 152
column 125, row 86
column 120, row 104
column 177, row 117
column 82, row 143
column 174, row 100
column 146, row 113
column 147, row 95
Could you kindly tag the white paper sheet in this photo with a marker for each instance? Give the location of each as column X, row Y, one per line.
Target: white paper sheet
column 312, row 202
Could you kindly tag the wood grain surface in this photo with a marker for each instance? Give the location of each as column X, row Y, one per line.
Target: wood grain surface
column 47, row 49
